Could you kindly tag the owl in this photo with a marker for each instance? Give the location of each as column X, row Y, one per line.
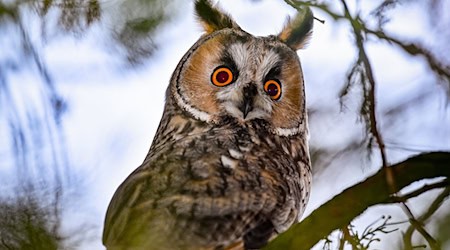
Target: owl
column 229, row 165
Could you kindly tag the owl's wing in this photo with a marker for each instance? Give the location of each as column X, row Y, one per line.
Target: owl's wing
column 235, row 246
column 120, row 209
column 155, row 203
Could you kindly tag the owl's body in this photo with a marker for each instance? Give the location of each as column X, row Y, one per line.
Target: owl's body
column 229, row 166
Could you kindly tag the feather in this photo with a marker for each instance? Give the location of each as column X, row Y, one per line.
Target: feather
column 297, row 32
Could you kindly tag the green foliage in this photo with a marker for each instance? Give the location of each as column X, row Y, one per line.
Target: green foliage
column 26, row 223
column 134, row 30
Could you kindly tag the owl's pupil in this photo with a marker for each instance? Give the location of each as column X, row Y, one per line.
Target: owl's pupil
column 222, row 77
column 272, row 89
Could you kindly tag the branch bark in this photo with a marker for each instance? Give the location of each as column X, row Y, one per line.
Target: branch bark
column 349, row 204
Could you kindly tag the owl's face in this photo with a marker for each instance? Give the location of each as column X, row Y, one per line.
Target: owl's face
column 229, row 73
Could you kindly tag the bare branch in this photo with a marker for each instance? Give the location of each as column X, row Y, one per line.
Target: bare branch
column 415, row 50
column 423, row 189
column 356, row 24
column 322, row 6
column 419, row 227
column 424, row 217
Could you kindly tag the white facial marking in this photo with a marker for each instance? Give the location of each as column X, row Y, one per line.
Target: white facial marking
column 303, row 127
column 267, row 62
column 198, row 114
column 262, row 106
column 240, row 55
column 233, row 110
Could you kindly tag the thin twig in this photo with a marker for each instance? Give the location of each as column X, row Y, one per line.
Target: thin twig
column 414, row 49
column 419, row 191
column 322, row 6
column 348, row 237
column 424, row 217
column 419, row 227
column 342, row 240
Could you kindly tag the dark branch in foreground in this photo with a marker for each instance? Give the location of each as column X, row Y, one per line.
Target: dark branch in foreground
column 349, row 204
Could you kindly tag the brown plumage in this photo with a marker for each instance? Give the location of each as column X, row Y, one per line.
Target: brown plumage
column 229, row 165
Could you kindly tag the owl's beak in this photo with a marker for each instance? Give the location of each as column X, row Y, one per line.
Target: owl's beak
column 246, row 107
column 247, row 104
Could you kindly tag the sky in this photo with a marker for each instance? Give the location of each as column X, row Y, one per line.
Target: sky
column 113, row 112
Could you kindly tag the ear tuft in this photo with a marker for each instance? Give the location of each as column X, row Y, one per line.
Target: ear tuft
column 297, row 32
column 213, row 18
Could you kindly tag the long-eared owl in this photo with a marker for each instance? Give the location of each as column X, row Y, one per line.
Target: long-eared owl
column 229, row 166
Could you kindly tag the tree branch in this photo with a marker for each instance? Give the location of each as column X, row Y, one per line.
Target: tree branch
column 419, row 191
column 424, row 217
column 349, row 204
column 414, row 50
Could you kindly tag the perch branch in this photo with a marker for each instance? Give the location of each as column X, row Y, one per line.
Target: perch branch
column 350, row 203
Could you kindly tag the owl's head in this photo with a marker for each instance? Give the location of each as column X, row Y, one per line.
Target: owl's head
column 228, row 73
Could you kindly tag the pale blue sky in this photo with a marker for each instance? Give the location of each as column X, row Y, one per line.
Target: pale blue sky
column 114, row 112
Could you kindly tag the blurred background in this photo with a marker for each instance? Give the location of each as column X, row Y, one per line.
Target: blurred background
column 82, row 86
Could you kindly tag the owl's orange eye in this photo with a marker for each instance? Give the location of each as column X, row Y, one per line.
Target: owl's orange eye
column 222, row 76
column 273, row 89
